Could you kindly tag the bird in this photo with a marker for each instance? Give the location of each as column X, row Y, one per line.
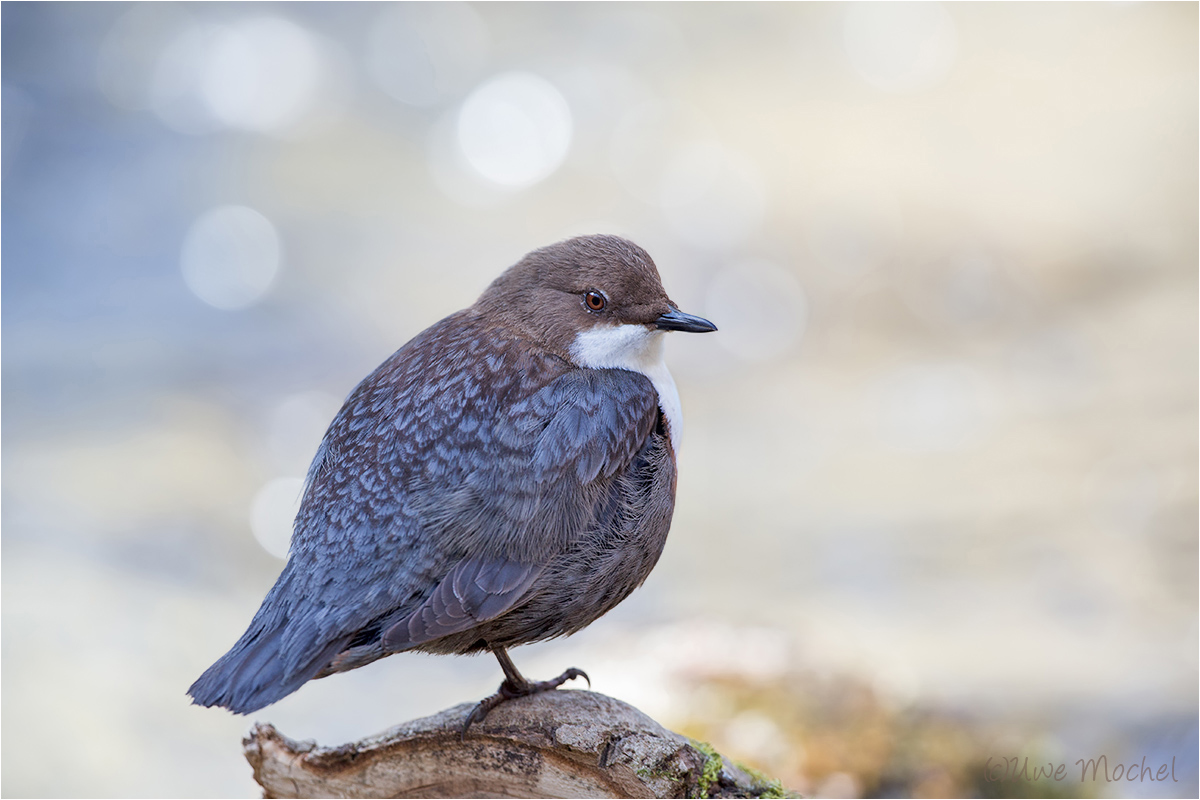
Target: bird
column 505, row 477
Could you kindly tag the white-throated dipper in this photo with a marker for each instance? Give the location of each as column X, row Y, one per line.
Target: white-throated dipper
column 507, row 476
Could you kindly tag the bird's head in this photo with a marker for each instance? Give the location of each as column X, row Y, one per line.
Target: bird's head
column 595, row 300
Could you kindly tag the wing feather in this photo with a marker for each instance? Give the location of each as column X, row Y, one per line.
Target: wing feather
column 469, row 595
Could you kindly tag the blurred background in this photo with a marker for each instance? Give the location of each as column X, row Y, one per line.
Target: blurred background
column 938, row 493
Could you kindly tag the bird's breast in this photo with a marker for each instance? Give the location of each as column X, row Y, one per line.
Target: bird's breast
column 636, row 348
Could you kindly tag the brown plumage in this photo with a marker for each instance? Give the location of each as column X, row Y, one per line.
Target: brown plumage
column 505, row 477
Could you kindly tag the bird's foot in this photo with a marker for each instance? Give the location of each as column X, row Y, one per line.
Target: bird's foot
column 509, row 690
column 545, row 686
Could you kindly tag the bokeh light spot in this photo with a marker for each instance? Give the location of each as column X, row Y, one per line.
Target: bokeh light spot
column 515, row 129
column 261, row 74
column 230, row 257
column 273, row 513
column 296, row 426
column 175, row 87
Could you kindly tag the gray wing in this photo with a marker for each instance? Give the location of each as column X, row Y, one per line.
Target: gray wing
column 476, row 590
column 571, row 439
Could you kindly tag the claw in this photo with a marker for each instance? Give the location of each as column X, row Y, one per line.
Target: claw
column 575, row 672
column 509, row 690
column 480, row 712
column 545, row 686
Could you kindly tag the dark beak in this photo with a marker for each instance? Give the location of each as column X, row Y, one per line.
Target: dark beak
column 676, row 320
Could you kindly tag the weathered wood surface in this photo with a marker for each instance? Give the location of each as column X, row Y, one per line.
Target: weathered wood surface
column 557, row 744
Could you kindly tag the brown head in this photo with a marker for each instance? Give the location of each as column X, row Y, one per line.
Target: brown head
column 594, row 300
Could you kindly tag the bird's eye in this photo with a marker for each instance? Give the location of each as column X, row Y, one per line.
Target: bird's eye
column 595, row 301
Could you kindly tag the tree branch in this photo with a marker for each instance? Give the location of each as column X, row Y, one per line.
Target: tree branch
column 556, row 744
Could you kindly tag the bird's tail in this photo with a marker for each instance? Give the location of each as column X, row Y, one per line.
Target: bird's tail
column 256, row 672
column 251, row 675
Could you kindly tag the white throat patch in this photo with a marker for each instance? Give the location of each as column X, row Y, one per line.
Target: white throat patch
column 637, row 349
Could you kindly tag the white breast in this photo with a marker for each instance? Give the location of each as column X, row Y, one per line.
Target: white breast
column 638, row 349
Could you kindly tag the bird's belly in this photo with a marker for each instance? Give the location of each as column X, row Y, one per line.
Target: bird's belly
column 607, row 563
column 575, row 593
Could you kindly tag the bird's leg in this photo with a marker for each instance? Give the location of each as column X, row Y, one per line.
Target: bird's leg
column 516, row 685
column 519, row 685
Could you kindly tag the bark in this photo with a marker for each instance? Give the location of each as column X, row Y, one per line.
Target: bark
column 557, row 744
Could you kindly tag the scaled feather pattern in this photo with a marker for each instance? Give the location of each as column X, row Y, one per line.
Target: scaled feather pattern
column 467, row 486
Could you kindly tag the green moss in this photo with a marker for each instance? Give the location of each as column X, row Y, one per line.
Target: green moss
column 763, row 786
column 711, row 774
column 655, row 774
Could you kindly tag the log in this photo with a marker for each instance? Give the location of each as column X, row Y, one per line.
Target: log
column 565, row 743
